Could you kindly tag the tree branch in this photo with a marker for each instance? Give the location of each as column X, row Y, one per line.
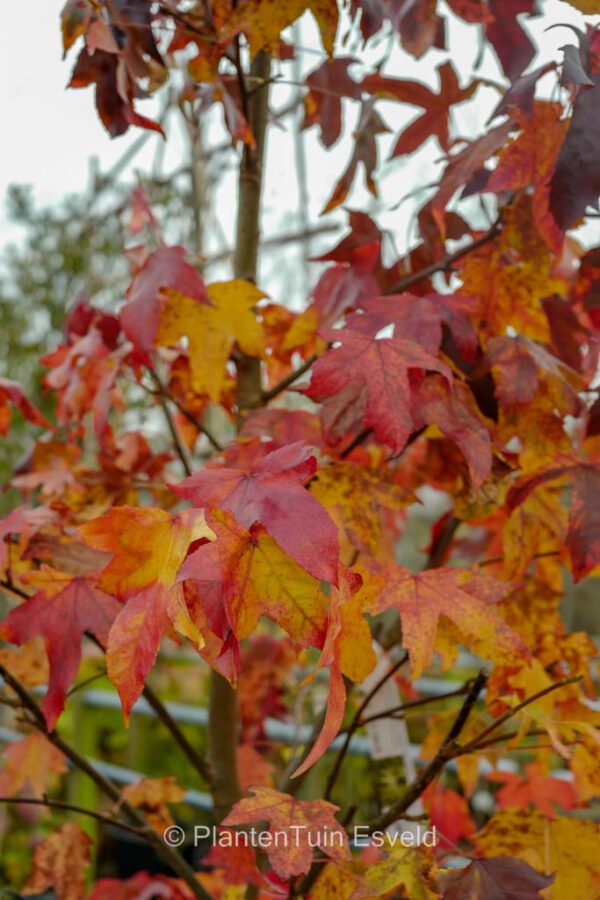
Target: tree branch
column 474, row 743
column 223, row 707
column 173, row 859
column 289, row 379
column 71, row 807
column 446, row 752
column 356, row 722
column 442, row 265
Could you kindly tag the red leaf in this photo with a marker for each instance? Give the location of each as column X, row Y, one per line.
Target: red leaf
column 268, row 487
column 380, row 368
column 12, row 392
column 511, row 43
column 534, row 787
column 307, row 824
column 164, row 268
column 369, row 126
column 327, row 84
column 61, row 612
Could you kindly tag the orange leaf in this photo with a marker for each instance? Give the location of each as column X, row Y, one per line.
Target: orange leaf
column 59, row 862
column 296, row 827
column 464, row 598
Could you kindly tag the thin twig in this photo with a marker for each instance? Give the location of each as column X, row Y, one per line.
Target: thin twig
column 173, row 859
column 177, row 443
column 289, row 379
column 71, row 807
column 167, row 395
column 445, row 263
column 447, row 751
column 442, row 543
column 473, row 744
column 413, row 704
column 355, row 442
column 355, row 724
column 201, row 765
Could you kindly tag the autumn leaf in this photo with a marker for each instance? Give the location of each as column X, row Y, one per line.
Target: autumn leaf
column 379, row 368
column 510, row 41
column 165, row 268
column 29, row 766
column 511, row 276
column 62, row 611
column 575, row 183
column 535, row 787
column 450, row 814
column 60, row 862
column 454, row 411
column 114, row 89
column 211, row 330
column 529, row 161
column 356, row 496
column 435, row 119
column 148, row 546
column 497, row 878
column 11, row 394
column 142, row 884
column 267, row 486
column 582, row 539
column 406, row 867
column 263, row 21
column 464, row 598
column 364, row 154
column 150, row 795
column 587, row 7
column 304, row 823
column 348, row 651
column 327, row 84
column 565, row 846
column 246, row 574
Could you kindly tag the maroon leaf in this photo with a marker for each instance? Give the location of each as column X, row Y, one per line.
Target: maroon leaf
column 575, row 183
column 497, row 878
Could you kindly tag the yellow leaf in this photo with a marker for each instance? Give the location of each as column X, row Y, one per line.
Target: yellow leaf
column 212, row 330
column 587, row 7
column 566, row 847
column 355, row 495
column 262, row 21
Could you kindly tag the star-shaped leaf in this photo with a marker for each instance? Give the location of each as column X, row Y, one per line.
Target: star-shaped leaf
column 306, row 824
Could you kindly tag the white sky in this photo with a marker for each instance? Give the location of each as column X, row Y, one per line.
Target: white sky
column 50, row 133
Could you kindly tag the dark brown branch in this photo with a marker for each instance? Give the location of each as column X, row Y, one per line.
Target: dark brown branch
column 179, row 447
column 497, row 723
column 173, row 859
column 355, row 724
column 289, row 379
column 201, row 765
column 442, row 265
column 356, row 442
column 71, row 807
column 447, row 751
column 413, row 704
